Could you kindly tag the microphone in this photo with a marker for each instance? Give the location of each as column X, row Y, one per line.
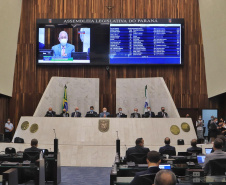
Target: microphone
column 54, row 133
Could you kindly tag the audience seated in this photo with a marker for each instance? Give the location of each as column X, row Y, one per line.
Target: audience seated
column 217, row 154
column 34, row 146
column 165, row 177
column 167, row 149
column 153, row 160
column 194, row 148
column 139, row 148
column 50, row 113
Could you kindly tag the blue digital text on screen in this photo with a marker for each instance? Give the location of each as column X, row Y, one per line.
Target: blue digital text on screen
column 145, row 44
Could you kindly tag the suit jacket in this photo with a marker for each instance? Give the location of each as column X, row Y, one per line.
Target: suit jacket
column 213, row 131
column 192, row 149
column 217, row 154
column 152, row 114
column 133, row 115
column 150, row 171
column 167, row 147
column 77, row 113
column 57, row 50
column 120, row 115
column 67, row 115
column 33, row 149
column 52, row 114
column 91, row 112
column 138, row 150
column 102, row 114
column 161, row 116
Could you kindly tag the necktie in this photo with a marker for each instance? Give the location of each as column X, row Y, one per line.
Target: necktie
column 63, row 51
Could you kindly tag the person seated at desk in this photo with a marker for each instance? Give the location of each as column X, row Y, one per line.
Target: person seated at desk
column 165, row 177
column 162, row 114
column 217, row 154
column 224, row 143
column 91, row 111
column 63, row 49
column 104, row 114
column 120, row 114
column 64, row 113
column 34, row 146
column 135, row 114
column 139, row 148
column 153, row 160
column 149, row 113
column 76, row 113
column 194, row 148
column 50, row 113
column 167, row 147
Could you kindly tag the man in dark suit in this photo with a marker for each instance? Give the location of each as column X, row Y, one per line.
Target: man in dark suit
column 34, row 146
column 217, row 154
column 208, row 126
column 104, row 114
column 167, row 147
column 92, row 112
column 149, row 113
column 135, row 114
column 139, row 148
column 194, row 148
column 213, row 131
column 162, row 114
column 50, row 113
column 120, row 114
column 64, row 113
column 76, row 113
column 153, row 160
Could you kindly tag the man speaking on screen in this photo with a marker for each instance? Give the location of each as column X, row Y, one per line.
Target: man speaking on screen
column 63, row 49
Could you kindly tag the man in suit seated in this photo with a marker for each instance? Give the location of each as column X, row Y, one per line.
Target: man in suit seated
column 50, row 113
column 165, row 177
column 153, row 160
column 217, row 154
column 139, row 148
column 149, row 113
column 194, row 148
column 120, row 114
column 91, row 111
column 76, row 113
column 34, row 146
column 104, row 114
column 63, row 49
column 162, row 114
column 135, row 114
column 64, row 113
column 167, row 147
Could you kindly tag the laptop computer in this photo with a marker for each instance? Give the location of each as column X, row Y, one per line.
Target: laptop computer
column 165, row 166
column 201, row 159
column 208, row 150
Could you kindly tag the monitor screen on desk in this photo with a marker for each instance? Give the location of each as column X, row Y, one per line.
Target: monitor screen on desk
column 165, row 166
column 201, row 159
column 208, row 150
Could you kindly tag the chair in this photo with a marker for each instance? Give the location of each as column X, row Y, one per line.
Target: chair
column 169, row 152
column 218, row 166
column 10, row 150
column 195, row 152
column 147, row 179
column 31, row 156
column 137, row 158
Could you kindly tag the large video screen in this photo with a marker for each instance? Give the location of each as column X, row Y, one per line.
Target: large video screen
column 110, row 41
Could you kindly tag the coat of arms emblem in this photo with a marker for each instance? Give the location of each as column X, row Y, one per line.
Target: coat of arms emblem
column 103, row 125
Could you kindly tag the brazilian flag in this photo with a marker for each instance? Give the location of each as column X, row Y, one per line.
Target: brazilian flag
column 65, row 104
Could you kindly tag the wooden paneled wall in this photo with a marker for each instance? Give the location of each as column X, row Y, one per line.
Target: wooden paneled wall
column 187, row 84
